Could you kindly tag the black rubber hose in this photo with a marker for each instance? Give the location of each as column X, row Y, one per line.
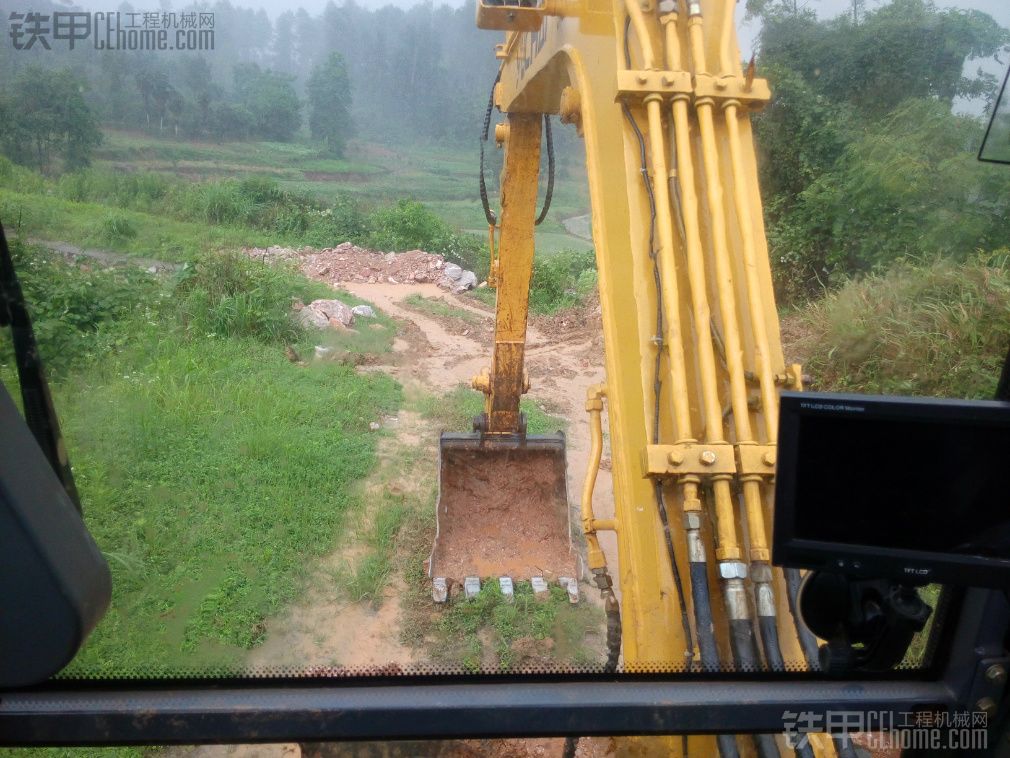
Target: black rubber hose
column 727, row 746
column 489, row 214
column 843, row 746
column 807, row 640
column 550, row 170
column 741, row 641
column 770, row 641
column 703, row 617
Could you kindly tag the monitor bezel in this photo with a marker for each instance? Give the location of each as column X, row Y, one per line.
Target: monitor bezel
column 912, row 566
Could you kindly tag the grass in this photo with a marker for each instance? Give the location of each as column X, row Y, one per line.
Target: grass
column 934, row 329
column 222, row 159
column 438, row 307
column 441, row 177
column 455, row 411
column 213, row 471
column 87, row 225
column 489, row 633
column 369, row 577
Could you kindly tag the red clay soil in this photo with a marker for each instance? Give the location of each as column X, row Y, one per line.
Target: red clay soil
column 503, row 513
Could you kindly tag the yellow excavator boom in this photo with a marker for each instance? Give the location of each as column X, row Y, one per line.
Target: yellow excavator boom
column 693, row 357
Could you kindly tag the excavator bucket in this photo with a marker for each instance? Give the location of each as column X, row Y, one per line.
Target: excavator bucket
column 502, row 511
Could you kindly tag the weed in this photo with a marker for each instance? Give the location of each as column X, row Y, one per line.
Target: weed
column 438, row 307
column 212, row 470
column 936, row 328
column 456, row 409
column 523, row 632
column 562, row 280
column 115, row 227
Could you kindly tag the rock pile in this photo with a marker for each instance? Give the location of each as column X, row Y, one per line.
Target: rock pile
column 349, row 263
column 322, row 314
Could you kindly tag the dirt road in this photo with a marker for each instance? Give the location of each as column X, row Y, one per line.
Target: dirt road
column 323, row 631
column 560, row 366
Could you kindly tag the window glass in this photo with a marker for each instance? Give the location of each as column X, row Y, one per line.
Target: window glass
column 252, row 242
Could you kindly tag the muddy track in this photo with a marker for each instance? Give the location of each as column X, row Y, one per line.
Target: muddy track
column 560, row 371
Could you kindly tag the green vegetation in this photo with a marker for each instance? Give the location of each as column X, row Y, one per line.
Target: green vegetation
column 455, row 410
column 211, row 467
column 440, row 176
column 81, row 223
column 241, row 210
column 936, row 328
column 267, row 102
column 438, row 307
column 562, row 280
column 329, row 96
column 490, row 633
column 45, row 117
column 370, row 575
column 864, row 162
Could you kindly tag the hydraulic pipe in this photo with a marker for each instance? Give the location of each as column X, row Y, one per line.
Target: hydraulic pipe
column 742, row 633
column 595, row 557
column 637, row 16
column 765, row 372
column 594, row 405
column 674, row 337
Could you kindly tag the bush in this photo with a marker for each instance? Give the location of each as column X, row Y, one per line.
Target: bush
column 229, row 294
column 936, row 329
column 562, row 280
column 114, row 228
column 78, row 313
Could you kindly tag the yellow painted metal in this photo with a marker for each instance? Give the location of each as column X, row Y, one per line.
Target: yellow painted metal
column 590, row 524
column 719, row 356
column 507, row 380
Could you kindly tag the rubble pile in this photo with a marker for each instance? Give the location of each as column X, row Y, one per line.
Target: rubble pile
column 349, row 263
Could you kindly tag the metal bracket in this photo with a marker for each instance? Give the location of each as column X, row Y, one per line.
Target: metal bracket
column 702, row 459
column 640, row 83
column 755, row 459
column 689, row 458
column 753, row 94
column 522, row 18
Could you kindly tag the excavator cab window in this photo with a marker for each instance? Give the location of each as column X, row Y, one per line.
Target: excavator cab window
column 996, row 143
column 470, row 446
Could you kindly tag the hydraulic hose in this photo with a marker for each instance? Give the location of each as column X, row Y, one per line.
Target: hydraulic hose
column 701, row 596
column 807, row 640
column 492, row 218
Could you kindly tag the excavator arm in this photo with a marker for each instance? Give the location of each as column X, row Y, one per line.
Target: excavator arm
column 693, row 357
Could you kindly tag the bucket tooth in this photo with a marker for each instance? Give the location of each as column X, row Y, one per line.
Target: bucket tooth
column 507, row 590
column 439, row 590
column 471, row 587
column 541, row 589
column 571, row 586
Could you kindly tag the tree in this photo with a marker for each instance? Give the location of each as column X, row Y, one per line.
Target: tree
column 45, row 116
column 270, row 99
column 329, row 100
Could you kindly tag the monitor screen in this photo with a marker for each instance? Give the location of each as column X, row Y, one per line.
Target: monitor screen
column 891, row 477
